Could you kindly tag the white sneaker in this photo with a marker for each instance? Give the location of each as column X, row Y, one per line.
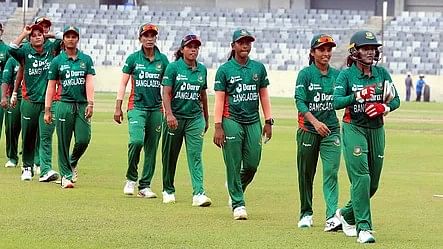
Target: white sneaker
column 365, row 237
column 26, row 174
column 168, row 198
column 49, row 177
column 332, row 224
column 348, row 230
column 10, row 164
column 305, row 222
column 129, row 187
column 36, row 169
column 240, row 213
column 74, row 174
column 146, row 193
column 66, row 183
column 201, row 200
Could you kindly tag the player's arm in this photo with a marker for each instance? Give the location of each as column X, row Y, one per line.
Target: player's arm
column 17, row 83
column 6, row 78
column 118, row 113
column 219, row 102
column 50, row 90
column 89, row 95
column 168, row 82
column 341, row 99
column 204, row 100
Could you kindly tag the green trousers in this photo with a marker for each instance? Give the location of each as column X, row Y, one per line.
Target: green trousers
column 363, row 149
column 44, row 147
column 30, row 123
column 241, row 153
column 309, row 146
column 144, row 132
column 13, row 127
column 70, row 119
column 192, row 130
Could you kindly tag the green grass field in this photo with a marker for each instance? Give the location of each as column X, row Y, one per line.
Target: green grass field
column 96, row 214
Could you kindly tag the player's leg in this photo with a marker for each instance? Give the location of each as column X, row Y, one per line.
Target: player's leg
column 136, row 128
column 308, row 145
column 356, row 158
column 45, row 149
column 13, row 128
column 330, row 150
column 194, row 133
column 233, row 156
column 64, row 123
column 252, row 147
column 171, row 145
column 82, row 134
column 29, row 122
column 153, row 126
column 376, row 157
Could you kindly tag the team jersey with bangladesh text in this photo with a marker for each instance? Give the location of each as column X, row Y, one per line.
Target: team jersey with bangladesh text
column 186, row 83
column 72, row 76
column 146, row 80
column 9, row 74
column 241, row 84
column 352, row 80
column 314, row 93
column 36, row 67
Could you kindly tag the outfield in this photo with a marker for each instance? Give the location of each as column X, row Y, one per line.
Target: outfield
column 95, row 214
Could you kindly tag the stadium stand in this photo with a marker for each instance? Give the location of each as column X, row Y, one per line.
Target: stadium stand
column 109, row 32
column 6, row 10
column 413, row 43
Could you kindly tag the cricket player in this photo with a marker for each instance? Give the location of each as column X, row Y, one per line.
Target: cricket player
column 35, row 57
column 75, row 71
column 240, row 84
column 12, row 114
column 367, row 93
column 185, row 104
column 146, row 67
column 318, row 131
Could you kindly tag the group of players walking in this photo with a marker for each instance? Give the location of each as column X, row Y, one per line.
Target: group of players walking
column 57, row 92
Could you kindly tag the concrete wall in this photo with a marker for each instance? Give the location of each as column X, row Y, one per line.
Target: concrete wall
column 282, row 82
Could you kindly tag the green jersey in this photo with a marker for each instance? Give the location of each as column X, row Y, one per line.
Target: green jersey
column 9, row 74
column 186, row 83
column 72, row 75
column 241, row 84
column 146, row 80
column 352, row 80
column 314, row 93
column 36, row 67
column 4, row 56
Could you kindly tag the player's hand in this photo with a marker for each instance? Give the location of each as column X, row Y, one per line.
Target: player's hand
column 4, row 103
column 27, row 30
column 13, row 100
column 219, row 135
column 171, row 121
column 321, row 128
column 267, row 132
column 365, row 94
column 118, row 115
column 48, row 117
column 89, row 111
column 376, row 109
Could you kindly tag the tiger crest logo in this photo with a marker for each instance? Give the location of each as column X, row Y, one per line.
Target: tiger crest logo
column 255, row 77
column 159, row 67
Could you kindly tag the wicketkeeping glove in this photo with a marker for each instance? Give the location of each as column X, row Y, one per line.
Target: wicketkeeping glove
column 376, row 109
column 365, row 93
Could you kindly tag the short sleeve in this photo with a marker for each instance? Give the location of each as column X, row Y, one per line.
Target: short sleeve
column 128, row 68
column 265, row 81
column 53, row 73
column 220, row 80
column 170, row 74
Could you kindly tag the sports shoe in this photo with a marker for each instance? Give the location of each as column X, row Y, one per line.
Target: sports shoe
column 240, row 213
column 49, row 177
column 129, row 187
column 146, row 193
column 332, row 224
column 66, row 183
column 365, row 236
column 168, row 198
column 305, row 222
column 26, row 174
column 74, row 174
column 36, row 169
column 348, row 230
column 10, row 164
column 201, row 200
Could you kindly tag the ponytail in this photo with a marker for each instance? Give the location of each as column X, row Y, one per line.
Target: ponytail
column 231, row 55
column 311, row 59
column 178, row 54
column 350, row 60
